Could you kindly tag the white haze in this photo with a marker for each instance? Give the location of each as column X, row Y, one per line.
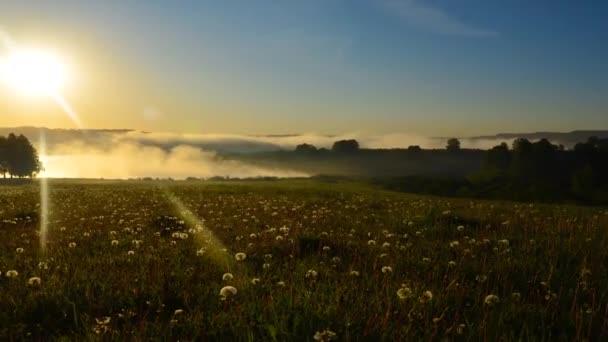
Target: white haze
column 121, row 155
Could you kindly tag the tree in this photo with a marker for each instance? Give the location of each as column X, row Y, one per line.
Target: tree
column 20, row 157
column 414, row 149
column 3, row 156
column 346, row 146
column 498, row 158
column 306, row 148
column 453, row 145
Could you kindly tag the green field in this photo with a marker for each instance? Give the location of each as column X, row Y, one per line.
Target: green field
column 141, row 260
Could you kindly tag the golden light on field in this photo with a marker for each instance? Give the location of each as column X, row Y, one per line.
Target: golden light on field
column 33, row 72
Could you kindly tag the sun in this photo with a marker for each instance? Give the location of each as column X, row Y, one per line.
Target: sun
column 33, row 72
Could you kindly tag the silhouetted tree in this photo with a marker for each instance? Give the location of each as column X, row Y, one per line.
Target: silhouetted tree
column 306, row 148
column 498, row 158
column 414, row 148
column 20, row 157
column 3, row 156
column 453, row 145
column 345, row 146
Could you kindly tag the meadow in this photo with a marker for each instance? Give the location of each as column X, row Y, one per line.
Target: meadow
column 295, row 260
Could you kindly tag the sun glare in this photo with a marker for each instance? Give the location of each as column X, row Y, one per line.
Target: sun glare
column 33, row 72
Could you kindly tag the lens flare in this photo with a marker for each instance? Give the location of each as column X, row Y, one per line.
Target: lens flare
column 44, row 198
column 215, row 249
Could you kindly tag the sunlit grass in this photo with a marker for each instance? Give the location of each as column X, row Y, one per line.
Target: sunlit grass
column 137, row 260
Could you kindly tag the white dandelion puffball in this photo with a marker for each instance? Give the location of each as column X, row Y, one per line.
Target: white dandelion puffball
column 240, row 256
column 354, row 273
column 255, row 281
column 404, row 293
column 387, row 269
column 491, row 300
column 19, row 250
column 228, row 291
column 72, row 245
column 34, row 282
column 227, row 277
column 114, row 242
column 311, row 274
column 427, row 296
column 11, row 274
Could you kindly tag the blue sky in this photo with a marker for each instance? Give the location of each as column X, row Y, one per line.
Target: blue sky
column 429, row 67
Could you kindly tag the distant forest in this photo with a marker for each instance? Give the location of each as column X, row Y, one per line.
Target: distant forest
column 18, row 157
column 524, row 171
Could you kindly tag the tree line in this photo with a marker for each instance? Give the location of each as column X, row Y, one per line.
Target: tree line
column 543, row 167
column 524, row 170
column 18, row 157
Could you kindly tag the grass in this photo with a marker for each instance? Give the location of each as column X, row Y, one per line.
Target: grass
column 377, row 258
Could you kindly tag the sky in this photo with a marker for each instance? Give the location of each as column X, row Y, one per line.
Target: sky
column 433, row 68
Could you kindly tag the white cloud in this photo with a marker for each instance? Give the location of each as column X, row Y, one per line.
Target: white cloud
column 421, row 15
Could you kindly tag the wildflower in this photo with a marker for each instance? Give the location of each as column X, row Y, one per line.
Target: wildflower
column 240, row 256
column 200, row 252
column 460, row 228
column 255, row 281
column 114, row 242
column 516, row 296
column 227, row 277
column 426, row 297
column 43, row 265
column 19, row 250
column 281, row 284
column 354, row 273
column 279, row 238
column 104, row 320
column 136, row 243
column 311, row 274
column 34, row 281
column 178, row 312
column 72, row 244
column 451, row 263
column 266, row 266
column 252, row 236
column 386, row 245
column 11, row 274
column 426, row 260
column 504, row 242
column 326, row 248
column 404, row 292
column 325, row 335
column 371, row 243
column 387, row 269
column 228, row 291
column 130, row 253
column 454, row 244
column 491, row 300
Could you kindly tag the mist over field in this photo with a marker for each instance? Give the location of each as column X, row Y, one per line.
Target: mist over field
column 134, row 154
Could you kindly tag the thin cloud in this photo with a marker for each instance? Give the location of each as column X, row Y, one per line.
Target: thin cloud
column 421, row 15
